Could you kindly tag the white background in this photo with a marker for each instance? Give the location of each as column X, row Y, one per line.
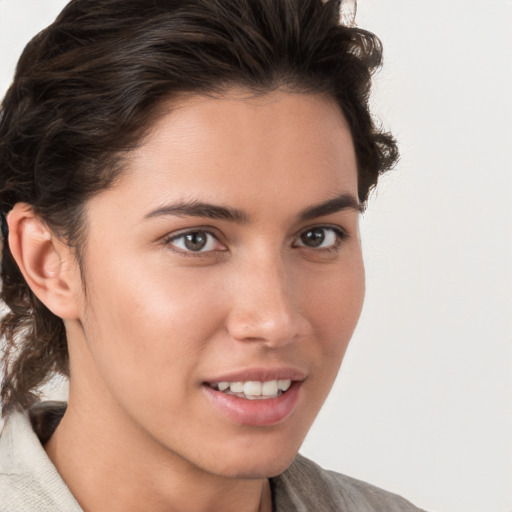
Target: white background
column 423, row 405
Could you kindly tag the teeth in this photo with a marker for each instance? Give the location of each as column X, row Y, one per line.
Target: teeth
column 284, row 384
column 254, row 389
column 269, row 388
column 236, row 387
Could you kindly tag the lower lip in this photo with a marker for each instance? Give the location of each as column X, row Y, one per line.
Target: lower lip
column 256, row 413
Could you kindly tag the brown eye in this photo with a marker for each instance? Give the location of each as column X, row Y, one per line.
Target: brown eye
column 313, row 237
column 322, row 237
column 195, row 242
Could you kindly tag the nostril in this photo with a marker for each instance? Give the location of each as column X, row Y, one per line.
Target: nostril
column 272, row 329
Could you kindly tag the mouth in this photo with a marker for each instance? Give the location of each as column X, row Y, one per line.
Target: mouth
column 253, row 389
column 258, row 398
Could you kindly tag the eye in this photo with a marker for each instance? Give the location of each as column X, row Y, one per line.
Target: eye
column 322, row 237
column 195, row 242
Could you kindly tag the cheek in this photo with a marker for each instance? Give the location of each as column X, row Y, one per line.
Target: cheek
column 156, row 324
column 336, row 305
column 333, row 307
column 334, row 310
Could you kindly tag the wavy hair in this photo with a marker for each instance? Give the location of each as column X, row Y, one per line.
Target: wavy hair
column 88, row 87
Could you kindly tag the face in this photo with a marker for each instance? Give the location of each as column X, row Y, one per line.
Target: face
column 224, row 280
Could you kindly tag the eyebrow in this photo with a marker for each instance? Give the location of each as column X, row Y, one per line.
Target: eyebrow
column 342, row 202
column 212, row 211
column 200, row 209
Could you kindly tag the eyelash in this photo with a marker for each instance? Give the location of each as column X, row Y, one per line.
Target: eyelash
column 170, row 240
column 340, row 236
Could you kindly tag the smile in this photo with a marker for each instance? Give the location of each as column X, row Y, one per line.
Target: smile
column 258, row 403
column 254, row 390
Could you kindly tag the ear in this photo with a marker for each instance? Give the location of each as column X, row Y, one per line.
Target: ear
column 48, row 265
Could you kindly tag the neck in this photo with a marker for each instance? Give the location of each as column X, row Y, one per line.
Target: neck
column 109, row 467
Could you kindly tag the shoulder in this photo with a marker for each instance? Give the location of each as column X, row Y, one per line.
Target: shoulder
column 28, row 479
column 305, row 486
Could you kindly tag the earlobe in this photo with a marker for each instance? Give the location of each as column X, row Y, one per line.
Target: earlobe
column 47, row 264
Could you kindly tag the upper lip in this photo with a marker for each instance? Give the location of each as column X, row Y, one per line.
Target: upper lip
column 259, row 374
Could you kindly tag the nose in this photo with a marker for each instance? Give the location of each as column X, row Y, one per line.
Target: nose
column 265, row 305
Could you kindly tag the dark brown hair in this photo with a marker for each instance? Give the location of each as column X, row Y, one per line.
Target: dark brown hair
column 88, row 87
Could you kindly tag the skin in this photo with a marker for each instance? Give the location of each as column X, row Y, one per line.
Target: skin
column 157, row 320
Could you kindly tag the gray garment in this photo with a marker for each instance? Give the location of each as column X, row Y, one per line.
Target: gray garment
column 306, row 487
column 29, row 482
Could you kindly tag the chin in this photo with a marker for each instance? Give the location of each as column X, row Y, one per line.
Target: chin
column 256, row 470
column 260, row 460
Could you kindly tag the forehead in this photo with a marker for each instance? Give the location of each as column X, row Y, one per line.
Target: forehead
column 234, row 148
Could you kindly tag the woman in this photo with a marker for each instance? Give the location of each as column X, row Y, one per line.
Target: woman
column 181, row 187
